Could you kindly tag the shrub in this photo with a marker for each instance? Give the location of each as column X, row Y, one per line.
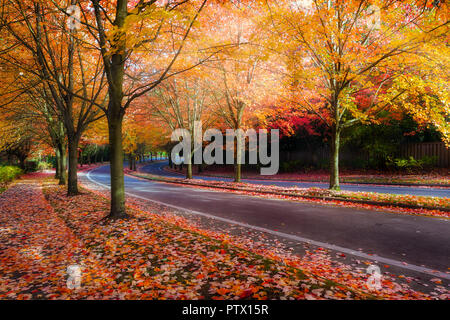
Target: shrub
column 410, row 164
column 429, row 162
column 9, row 173
column 291, row 166
column 44, row 166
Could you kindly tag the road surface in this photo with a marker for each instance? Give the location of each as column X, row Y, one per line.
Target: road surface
column 157, row 169
column 419, row 244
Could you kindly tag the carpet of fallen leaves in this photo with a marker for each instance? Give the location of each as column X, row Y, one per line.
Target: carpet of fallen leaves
column 149, row 256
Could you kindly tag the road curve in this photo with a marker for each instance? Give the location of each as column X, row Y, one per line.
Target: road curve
column 157, row 168
column 417, row 243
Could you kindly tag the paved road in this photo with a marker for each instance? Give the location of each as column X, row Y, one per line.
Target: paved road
column 423, row 243
column 156, row 168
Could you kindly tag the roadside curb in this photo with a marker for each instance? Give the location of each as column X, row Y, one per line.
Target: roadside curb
column 443, row 186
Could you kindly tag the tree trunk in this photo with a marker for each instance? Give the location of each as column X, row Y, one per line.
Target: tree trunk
column 72, row 185
column 237, row 166
column 189, row 171
column 114, row 66
column 63, row 167
column 334, row 160
column 117, row 177
column 130, row 162
column 170, row 162
column 57, row 164
column 61, row 163
column 22, row 162
column 237, row 172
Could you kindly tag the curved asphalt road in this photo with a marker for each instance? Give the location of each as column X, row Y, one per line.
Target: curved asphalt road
column 157, row 169
column 419, row 244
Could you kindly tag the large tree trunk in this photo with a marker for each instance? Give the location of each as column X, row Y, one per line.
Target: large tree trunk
column 334, row 159
column 117, row 177
column 72, row 184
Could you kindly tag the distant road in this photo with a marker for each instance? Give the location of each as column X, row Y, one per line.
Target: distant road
column 157, row 169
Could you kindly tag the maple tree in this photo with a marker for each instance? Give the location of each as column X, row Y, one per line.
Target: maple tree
column 126, row 31
column 184, row 103
column 334, row 50
column 16, row 141
column 29, row 125
column 71, row 75
column 241, row 72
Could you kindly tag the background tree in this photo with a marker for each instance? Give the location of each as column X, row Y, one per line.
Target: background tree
column 125, row 30
column 241, row 78
column 334, row 50
column 48, row 49
column 182, row 103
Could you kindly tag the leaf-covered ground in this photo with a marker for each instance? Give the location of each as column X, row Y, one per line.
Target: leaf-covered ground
column 150, row 256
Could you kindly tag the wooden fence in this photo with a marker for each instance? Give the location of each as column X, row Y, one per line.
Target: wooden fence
column 427, row 149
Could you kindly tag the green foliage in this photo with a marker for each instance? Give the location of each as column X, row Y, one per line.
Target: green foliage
column 9, row 173
column 411, row 164
column 382, row 142
column 33, row 166
column 44, row 166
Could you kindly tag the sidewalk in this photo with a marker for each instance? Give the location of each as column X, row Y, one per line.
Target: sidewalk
column 36, row 246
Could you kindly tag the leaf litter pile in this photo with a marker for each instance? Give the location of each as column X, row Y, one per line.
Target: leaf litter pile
column 150, row 256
